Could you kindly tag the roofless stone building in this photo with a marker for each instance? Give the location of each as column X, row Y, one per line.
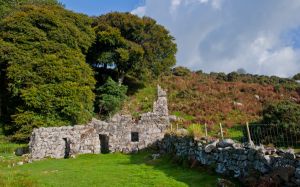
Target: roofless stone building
column 121, row 133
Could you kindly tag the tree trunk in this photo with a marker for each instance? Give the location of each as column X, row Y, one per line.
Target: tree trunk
column 121, row 79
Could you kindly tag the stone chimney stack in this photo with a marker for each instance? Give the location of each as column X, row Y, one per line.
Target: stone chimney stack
column 160, row 106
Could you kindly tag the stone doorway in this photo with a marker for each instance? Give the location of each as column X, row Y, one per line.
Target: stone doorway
column 67, row 148
column 104, row 143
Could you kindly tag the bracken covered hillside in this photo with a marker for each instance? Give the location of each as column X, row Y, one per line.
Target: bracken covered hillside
column 216, row 97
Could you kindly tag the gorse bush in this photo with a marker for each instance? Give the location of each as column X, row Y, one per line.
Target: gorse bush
column 283, row 113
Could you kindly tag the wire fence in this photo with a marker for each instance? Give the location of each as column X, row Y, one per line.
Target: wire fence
column 279, row 135
column 275, row 134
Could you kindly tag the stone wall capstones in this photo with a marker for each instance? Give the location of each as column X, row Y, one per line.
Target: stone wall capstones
column 120, row 133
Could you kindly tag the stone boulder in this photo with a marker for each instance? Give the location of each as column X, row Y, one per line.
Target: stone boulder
column 225, row 143
column 210, row 147
column 182, row 132
column 21, row 151
column 173, row 118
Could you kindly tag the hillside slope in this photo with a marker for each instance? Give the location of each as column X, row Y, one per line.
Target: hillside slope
column 213, row 98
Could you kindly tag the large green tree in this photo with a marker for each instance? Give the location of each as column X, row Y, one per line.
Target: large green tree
column 43, row 69
column 132, row 46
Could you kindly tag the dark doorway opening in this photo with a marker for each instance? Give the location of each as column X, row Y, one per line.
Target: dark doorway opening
column 67, row 148
column 134, row 136
column 104, row 141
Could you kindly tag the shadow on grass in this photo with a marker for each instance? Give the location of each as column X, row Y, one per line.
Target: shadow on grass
column 178, row 169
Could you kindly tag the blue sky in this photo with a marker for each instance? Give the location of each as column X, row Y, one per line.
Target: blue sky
column 97, row 7
column 261, row 36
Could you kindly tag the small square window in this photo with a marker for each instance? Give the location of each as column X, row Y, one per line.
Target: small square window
column 134, row 136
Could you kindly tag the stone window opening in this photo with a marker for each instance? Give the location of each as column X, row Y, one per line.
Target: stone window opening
column 67, row 148
column 134, row 136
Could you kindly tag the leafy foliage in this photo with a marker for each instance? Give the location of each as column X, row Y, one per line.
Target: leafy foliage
column 7, row 6
column 42, row 57
column 282, row 113
column 180, row 71
column 111, row 96
column 132, row 45
column 297, row 76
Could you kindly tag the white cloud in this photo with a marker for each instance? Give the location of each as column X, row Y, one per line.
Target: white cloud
column 224, row 35
column 140, row 11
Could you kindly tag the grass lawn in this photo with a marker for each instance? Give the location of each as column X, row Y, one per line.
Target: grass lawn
column 106, row 170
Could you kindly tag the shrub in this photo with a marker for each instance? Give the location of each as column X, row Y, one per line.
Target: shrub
column 283, row 112
column 233, row 76
column 297, row 76
column 181, row 71
column 196, row 130
column 110, row 97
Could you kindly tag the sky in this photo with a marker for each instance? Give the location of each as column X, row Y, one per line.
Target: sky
column 260, row 36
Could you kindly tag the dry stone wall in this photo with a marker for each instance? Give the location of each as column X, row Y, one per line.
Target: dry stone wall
column 121, row 133
column 272, row 167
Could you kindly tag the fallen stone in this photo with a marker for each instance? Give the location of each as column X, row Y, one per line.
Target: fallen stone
column 155, row 156
column 20, row 163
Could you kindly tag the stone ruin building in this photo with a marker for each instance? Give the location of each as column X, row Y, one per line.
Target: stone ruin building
column 121, row 133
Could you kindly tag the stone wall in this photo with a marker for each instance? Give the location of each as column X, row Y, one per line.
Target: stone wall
column 60, row 142
column 268, row 166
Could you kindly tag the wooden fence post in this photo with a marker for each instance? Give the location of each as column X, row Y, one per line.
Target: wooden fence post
column 221, row 129
column 205, row 126
column 248, row 133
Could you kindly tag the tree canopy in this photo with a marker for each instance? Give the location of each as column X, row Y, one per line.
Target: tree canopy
column 42, row 57
column 7, row 6
column 132, row 45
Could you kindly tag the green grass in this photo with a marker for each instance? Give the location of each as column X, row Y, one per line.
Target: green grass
column 141, row 102
column 235, row 133
column 183, row 116
column 7, row 156
column 106, row 170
